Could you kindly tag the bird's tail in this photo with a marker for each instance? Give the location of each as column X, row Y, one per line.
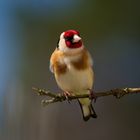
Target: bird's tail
column 87, row 109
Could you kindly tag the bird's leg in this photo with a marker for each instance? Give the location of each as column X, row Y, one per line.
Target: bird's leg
column 92, row 95
column 67, row 94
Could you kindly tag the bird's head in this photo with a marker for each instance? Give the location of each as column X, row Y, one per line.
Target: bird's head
column 70, row 40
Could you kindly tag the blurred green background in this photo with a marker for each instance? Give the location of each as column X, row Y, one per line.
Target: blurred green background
column 29, row 31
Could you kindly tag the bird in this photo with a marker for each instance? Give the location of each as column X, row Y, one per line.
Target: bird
column 71, row 64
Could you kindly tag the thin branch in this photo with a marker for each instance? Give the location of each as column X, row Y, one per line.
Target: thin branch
column 59, row 97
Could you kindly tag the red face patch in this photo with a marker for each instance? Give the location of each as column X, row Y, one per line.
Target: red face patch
column 68, row 35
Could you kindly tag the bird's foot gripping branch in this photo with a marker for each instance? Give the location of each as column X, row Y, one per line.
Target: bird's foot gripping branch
column 60, row 97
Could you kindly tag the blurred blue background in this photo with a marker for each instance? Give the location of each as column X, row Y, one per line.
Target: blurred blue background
column 29, row 31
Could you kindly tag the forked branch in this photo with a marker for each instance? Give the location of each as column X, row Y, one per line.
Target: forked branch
column 59, row 97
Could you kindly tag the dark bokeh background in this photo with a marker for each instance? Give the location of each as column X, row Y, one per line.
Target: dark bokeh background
column 29, row 31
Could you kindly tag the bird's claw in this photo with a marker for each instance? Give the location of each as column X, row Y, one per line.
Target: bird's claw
column 92, row 95
column 67, row 94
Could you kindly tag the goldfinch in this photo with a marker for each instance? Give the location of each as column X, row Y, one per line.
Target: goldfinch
column 72, row 65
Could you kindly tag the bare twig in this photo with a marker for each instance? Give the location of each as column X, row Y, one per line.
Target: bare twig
column 58, row 97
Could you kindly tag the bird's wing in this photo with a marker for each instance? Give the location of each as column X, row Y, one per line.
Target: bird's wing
column 51, row 67
column 55, row 58
column 90, row 60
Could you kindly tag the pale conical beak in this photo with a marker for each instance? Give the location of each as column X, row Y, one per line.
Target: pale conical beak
column 76, row 38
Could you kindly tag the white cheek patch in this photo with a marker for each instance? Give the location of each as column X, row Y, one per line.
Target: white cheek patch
column 62, row 43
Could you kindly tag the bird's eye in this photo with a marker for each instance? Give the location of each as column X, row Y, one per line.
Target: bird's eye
column 68, row 38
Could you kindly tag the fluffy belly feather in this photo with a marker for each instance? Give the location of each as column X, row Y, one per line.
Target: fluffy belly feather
column 75, row 80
